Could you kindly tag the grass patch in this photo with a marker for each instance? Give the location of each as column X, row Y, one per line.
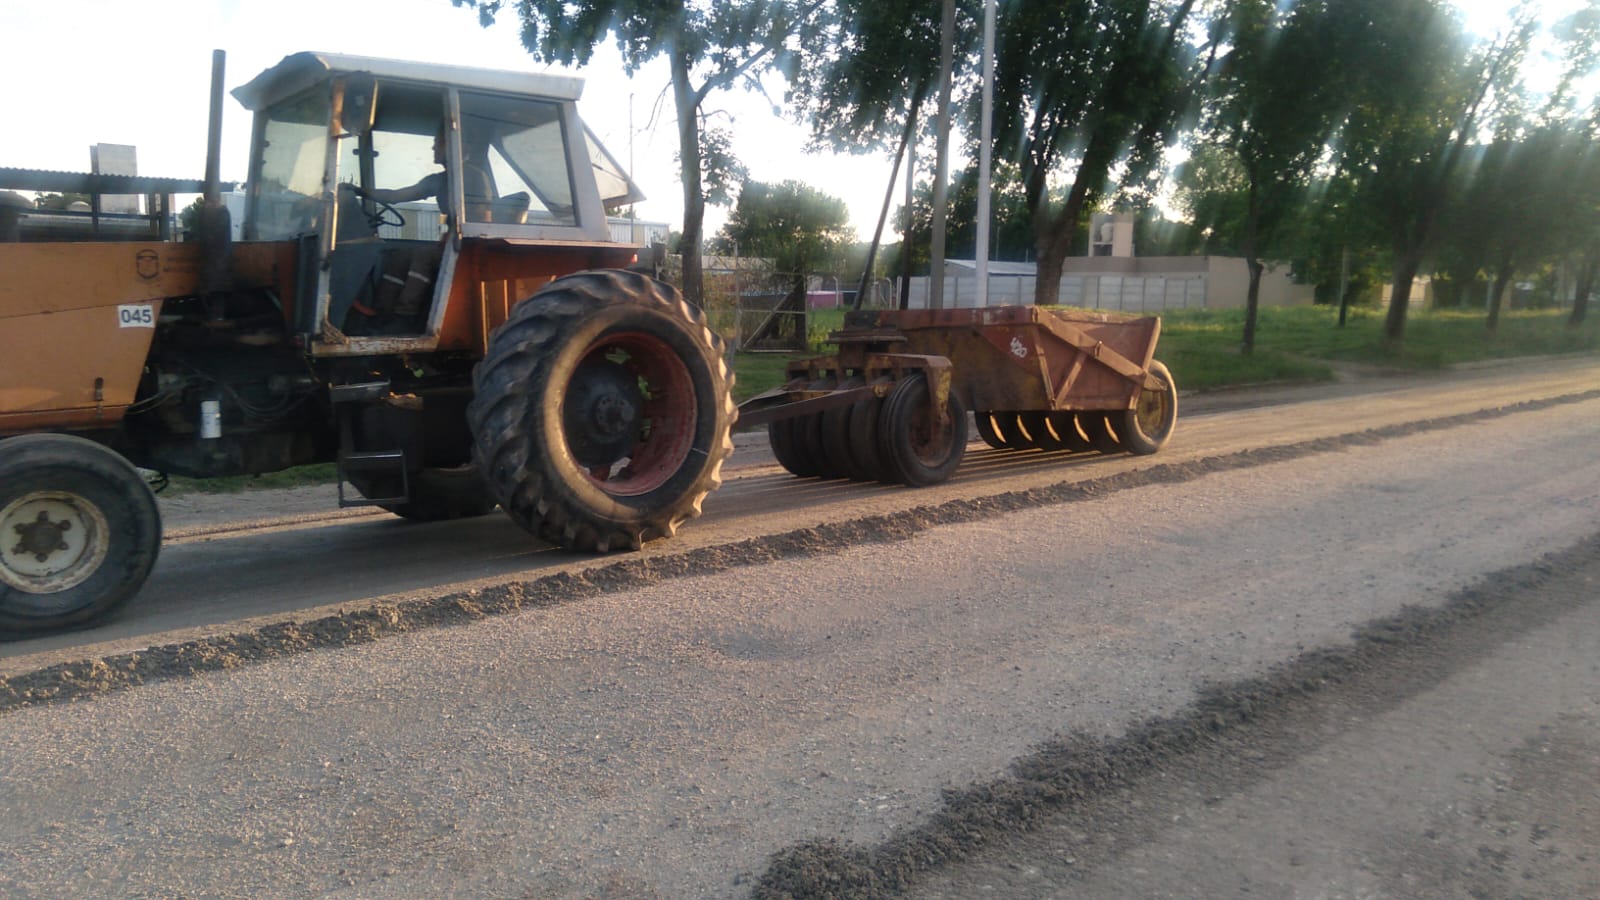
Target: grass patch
column 1293, row 345
column 758, row 372
column 299, row 476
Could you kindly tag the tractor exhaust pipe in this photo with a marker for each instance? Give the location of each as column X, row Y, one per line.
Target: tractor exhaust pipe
column 214, row 223
column 213, row 195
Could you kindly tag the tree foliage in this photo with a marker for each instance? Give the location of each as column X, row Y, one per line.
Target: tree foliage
column 1423, row 98
column 856, row 74
column 799, row 227
column 1274, row 103
column 59, row 201
column 1086, row 91
column 1012, row 231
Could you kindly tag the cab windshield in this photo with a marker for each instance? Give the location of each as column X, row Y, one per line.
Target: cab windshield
column 293, row 153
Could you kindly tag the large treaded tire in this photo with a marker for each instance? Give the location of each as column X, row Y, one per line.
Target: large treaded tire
column 81, row 532
column 602, row 411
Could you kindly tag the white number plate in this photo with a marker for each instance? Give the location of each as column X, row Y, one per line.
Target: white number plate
column 136, row 315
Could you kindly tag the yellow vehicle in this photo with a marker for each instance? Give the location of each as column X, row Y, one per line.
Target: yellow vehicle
column 596, row 412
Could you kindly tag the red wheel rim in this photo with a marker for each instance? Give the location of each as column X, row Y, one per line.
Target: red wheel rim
column 669, row 411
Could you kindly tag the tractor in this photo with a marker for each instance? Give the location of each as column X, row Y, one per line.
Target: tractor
column 490, row 346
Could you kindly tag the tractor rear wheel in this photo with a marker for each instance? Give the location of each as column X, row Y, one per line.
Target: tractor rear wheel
column 79, row 532
column 602, row 411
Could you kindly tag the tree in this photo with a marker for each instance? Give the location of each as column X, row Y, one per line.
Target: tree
column 1274, row 102
column 1095, row 87
column 796, row 225
column 858, row 74
column 1210, row 190
column 860, row 77
column 59, row 201
column 799, row 227
column 1517, row 205
column 1012, row 236
column 709, row 45
column 1424, row 95
column 1579, row 34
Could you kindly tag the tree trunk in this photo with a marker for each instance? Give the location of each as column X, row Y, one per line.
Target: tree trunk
column 1405, row 272
column 1586, row 278
column 1344, row 285
column 687, row 101
column 1252, row 303
column 1053, row 236
column 1047, row 276
column 1497, row 293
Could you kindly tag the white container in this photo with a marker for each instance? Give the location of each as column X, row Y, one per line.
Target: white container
column 210, row 419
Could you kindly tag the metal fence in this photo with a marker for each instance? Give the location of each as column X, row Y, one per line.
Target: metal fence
column 1117, row 293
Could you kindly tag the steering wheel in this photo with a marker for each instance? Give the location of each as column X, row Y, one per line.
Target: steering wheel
column 384, row 214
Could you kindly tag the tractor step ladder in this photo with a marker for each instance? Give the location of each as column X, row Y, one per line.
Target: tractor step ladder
column 385, row 466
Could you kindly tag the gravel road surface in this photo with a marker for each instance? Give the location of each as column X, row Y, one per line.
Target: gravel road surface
column 1370, row 667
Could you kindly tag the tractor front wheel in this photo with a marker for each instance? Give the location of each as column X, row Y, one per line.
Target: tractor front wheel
column 79, row 532
column 602, row 411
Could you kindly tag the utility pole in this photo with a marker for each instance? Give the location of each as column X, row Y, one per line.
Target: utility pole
column 941, row 175
column 985, row 161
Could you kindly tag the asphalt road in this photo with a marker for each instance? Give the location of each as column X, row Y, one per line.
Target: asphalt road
column 1051, row 677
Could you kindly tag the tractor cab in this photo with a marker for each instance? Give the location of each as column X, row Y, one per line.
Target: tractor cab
column 408, row 187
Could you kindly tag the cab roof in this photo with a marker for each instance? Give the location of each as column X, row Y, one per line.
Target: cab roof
column 301, row 70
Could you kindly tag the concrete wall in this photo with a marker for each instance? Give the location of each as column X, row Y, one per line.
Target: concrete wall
column 1150, row 284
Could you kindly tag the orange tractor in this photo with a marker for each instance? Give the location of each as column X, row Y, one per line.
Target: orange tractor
column 334, row 326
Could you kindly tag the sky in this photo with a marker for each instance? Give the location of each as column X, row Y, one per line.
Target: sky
column 81, row 72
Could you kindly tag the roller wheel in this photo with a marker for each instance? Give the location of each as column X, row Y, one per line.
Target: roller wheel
column 1037, row 424
column 441, row 494
column 1012, row 431
column 1100, row 432
column 602, row 411
column 1065, row 425
column 808, row 438
column 836, row 443
column 79, row 532
column 1147, row 427
column 984, row 420
column 807, row 441
column 915, row 450
column 864, row 447
column 780, row 434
